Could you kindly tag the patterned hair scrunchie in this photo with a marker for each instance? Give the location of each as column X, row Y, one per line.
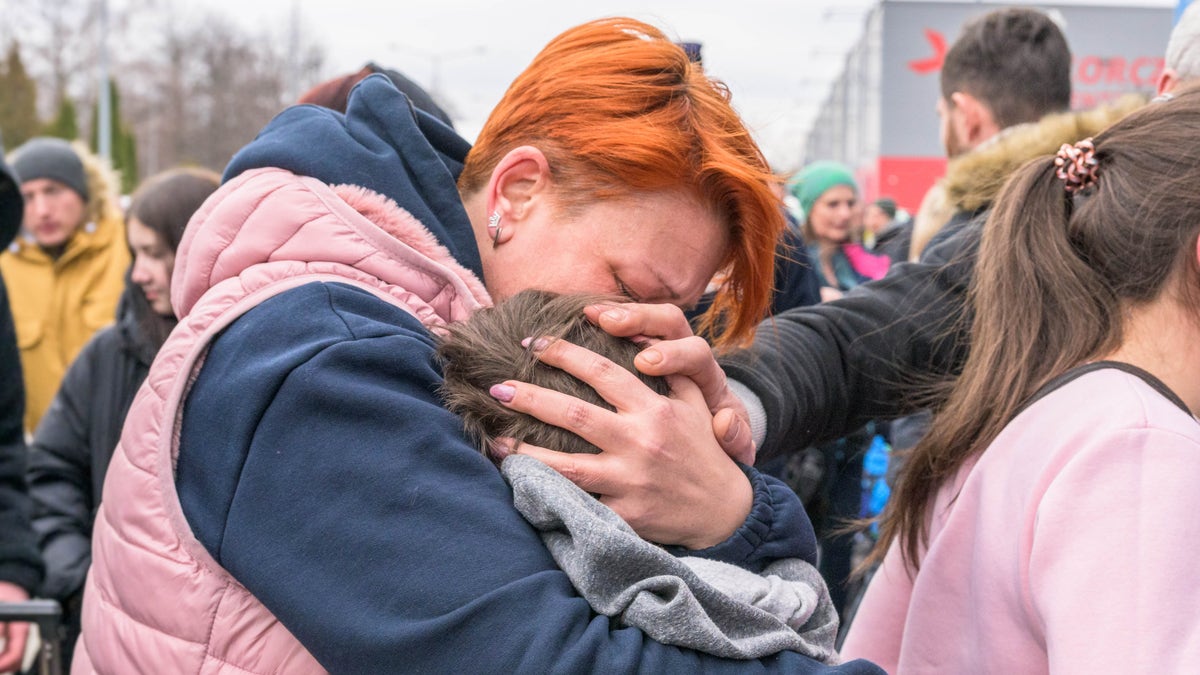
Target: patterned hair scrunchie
column 1077, row 165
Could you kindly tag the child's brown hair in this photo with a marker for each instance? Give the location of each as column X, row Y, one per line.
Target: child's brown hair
column 486, row 350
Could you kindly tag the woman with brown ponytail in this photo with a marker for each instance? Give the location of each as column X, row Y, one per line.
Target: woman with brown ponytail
column 1047, row 521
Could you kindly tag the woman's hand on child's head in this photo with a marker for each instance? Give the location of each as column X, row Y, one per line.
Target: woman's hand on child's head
column 675, row 351
column 661, row 468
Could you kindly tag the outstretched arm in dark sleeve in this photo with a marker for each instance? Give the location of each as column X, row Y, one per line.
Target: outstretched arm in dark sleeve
column 820, row 372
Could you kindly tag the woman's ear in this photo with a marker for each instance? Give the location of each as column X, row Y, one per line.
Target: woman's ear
column 518, row 186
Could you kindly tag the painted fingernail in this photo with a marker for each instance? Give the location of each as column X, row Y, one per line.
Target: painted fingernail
column 651, row 356
column 501, row 447
column 503, row 392
column 539, row 344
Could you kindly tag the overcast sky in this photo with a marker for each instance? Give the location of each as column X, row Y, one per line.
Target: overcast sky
column 777, row 56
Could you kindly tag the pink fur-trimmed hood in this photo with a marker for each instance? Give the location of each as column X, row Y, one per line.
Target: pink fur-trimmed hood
column 273, row 222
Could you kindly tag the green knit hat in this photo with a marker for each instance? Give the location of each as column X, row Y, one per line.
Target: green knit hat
column 815, row 179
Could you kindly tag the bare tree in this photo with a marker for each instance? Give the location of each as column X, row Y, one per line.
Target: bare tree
column 195, row 86
column 58, row 46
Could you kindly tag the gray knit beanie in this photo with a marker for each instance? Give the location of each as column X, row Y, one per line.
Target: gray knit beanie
column 53, row 158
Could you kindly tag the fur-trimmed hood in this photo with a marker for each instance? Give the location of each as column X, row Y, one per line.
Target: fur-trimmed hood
column 289, row 225
column 974, row 179
column 103, row 184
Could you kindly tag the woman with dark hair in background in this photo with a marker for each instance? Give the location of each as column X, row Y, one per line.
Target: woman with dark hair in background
column 76, row 438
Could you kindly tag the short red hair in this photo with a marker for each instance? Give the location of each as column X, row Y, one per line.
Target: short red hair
column 617, row 108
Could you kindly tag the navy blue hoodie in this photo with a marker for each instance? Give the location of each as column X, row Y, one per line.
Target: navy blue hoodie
column 318, row 466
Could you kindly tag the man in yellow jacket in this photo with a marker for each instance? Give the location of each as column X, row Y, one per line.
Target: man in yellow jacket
column 65, row 271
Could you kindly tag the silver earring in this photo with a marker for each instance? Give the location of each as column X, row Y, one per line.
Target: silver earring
column 493, row 227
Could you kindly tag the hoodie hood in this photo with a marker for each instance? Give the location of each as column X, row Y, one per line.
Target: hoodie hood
column 12, row 207
column 974, row 180
column 382, row 143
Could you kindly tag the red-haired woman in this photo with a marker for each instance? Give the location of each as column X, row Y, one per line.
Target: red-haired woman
column 290, row 495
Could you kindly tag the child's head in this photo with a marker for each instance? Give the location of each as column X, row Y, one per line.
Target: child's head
column 486, row 350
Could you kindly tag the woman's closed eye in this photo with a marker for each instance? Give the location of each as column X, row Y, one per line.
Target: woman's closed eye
column 624, row 290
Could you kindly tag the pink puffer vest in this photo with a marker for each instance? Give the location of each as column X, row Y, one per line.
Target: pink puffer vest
column 156, row 602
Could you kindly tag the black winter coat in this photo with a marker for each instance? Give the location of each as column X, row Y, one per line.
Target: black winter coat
column 75, row 441
column 894, row 242
column 20, row 562
column 824, row 371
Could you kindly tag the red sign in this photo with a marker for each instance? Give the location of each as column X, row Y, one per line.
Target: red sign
column 905, row 179
column 1141, row 72
column 933, row 63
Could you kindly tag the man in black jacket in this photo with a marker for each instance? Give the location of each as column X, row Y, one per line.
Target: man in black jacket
column 821, row 371
column 20, row 563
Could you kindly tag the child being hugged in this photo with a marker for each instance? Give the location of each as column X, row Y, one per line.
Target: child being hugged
column 683, row 600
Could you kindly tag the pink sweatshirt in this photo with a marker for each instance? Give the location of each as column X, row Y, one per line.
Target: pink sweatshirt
column 1073, row 546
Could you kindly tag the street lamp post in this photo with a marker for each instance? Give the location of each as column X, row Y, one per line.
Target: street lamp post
column 104, row 114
